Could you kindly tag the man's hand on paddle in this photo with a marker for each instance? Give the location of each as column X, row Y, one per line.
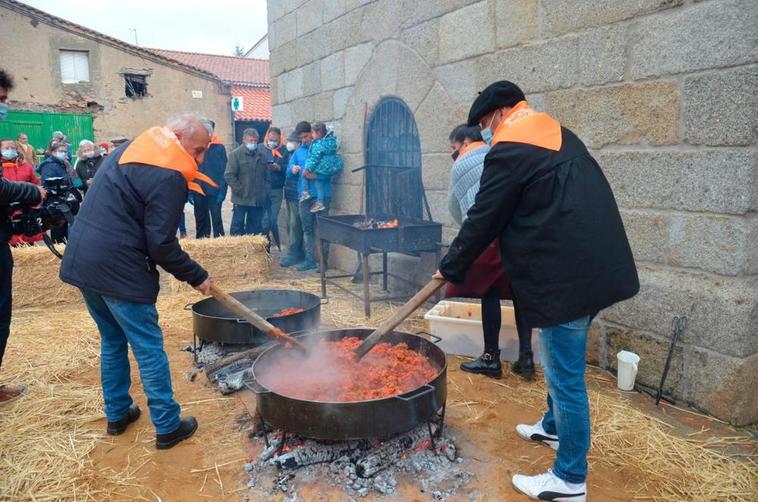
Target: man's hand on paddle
column 205, row 286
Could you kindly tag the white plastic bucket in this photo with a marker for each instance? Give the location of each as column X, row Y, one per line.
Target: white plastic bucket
column 628, row 363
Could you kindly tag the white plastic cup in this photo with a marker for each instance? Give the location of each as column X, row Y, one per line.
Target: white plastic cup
column 628, row 363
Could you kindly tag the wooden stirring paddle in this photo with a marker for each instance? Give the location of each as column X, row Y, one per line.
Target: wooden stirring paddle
column 399, row 316
column 257, row 321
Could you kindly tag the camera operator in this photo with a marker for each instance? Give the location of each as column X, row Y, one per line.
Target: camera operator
column 10, row 192
column 56, row 168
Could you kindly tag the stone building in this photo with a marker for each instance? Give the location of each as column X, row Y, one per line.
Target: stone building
column 60, row 66
column 664, row 92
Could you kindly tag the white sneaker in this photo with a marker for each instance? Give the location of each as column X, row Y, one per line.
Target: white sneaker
column 548, row 486
column 537, row 433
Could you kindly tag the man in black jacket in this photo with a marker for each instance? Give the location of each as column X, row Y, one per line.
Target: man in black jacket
column 125, row 229
column 10, row 192
column 566, row 252
column 208, row 206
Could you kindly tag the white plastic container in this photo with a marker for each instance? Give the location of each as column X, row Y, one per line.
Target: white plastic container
column 628, row 363
column 460, row 327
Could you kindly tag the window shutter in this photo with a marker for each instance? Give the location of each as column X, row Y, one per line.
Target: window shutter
column 74, row 67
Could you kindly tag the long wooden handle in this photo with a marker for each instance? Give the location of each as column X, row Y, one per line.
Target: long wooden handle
column 399, row 316
column 257, row 321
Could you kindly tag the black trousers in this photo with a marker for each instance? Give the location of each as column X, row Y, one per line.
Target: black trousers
column 6, row 291
column 207, row 215
column 491, row 323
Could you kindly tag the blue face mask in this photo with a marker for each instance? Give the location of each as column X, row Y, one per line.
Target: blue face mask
column 273, row 144
column 61, row 155
column 3, row 111
column 487, row 132
column 9, row 154
column 251, row 146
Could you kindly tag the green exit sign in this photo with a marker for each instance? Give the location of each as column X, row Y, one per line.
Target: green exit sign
column 238, row 104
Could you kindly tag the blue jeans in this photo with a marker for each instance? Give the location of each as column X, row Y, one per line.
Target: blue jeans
column 122, row 324
column 246, row 220
column 308, row 222
column 568, row 409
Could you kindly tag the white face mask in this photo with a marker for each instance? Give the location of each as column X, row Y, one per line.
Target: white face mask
column 9, row 154
column 88, row 155
column 290, row 146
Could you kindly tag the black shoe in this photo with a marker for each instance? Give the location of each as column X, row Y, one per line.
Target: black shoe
column 487, row 364
column 524, row 367
column 119, row 426
column 186, row 429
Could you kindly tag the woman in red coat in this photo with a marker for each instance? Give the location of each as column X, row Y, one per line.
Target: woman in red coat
column 16, row 168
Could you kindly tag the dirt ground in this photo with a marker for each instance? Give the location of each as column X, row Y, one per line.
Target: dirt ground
column 481, row 414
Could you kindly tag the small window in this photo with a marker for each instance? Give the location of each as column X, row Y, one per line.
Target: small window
column 74, row 67
column 136, row 86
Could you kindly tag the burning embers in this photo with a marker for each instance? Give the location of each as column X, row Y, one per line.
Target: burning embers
column 331, row 372
column 423, row 454
column 374, row 224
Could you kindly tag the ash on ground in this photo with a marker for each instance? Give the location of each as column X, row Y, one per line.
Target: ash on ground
column 362, row 468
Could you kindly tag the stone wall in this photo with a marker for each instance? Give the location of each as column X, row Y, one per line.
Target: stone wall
column 664, row 92
column 30, row 51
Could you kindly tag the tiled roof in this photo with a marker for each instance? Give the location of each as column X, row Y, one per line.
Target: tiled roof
column 236, row 70
column 83, row 31
column 256, row 102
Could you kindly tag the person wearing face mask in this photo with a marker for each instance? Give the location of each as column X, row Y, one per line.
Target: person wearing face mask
column 277, row 157
column 208, row 207
column 249, row 177
column 10, row 192
column 16, row 168
column 55, row 166
column 298, row 156
column 486, row 279
column 124, row 231
column 88, row 159
column 564, row 247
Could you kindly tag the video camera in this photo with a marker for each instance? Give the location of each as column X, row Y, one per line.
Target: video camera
column 58, row 209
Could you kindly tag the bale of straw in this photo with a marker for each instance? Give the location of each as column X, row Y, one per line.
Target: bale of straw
column 235, row 263
column 35, row 279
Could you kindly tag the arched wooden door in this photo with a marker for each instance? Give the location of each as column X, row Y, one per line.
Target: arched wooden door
column 393, row 160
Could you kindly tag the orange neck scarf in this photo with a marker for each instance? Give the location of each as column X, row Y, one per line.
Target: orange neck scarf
column 471, row 146
column 158, row 147
column 524, row 125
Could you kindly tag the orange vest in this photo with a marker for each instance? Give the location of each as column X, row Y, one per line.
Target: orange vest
column 158, row 147
column 471, row 146
column 524, row 125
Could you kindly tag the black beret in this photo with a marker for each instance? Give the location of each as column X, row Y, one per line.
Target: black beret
column 496, row 95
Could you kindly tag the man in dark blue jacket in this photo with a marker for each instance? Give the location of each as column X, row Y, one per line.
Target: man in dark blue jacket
column 208, row 206
column 125, row 229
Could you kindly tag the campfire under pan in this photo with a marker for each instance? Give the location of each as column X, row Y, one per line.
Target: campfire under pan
column 378, row 418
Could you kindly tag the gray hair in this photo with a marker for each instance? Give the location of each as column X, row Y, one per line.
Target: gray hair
column 187, row 122
column 58, row 134
column 82, row 144
column 250, row 132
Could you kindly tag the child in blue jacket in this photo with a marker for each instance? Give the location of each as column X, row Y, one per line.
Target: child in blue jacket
column 323, row 161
